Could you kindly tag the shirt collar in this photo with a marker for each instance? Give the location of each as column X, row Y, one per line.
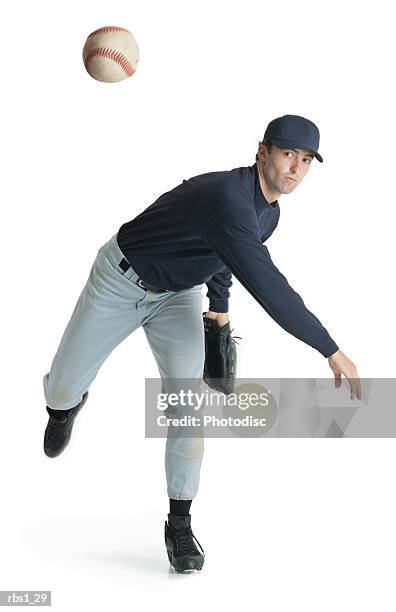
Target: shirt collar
column 259, row 198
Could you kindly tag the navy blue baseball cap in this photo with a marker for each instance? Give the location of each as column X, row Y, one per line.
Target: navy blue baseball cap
column 294, row 132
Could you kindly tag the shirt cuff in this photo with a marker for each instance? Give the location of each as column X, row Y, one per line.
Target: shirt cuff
column 327, row 346
column 218, row 305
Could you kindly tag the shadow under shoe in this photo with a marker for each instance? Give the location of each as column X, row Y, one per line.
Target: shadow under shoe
column 59, row 428
column 183, row 554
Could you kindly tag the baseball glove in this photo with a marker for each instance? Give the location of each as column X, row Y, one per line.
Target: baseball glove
column 220, row 356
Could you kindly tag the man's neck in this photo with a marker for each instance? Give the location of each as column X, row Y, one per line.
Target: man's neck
column 270, row 196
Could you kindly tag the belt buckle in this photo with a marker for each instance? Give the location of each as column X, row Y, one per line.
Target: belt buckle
column 140, row 283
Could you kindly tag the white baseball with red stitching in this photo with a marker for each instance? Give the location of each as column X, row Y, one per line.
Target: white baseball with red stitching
column 110, row 54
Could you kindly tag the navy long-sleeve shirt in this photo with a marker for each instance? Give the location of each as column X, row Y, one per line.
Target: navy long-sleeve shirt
column 212, row 226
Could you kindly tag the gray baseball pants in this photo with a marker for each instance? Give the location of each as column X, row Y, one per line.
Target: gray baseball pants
column 111, row 306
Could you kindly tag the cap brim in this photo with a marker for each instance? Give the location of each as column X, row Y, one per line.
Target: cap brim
column 286, row 144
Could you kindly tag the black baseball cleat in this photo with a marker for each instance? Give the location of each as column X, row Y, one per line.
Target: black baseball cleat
column 59, row 428
column 183, row 555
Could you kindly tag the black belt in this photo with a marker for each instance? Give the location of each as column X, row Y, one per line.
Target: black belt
column 125, row 265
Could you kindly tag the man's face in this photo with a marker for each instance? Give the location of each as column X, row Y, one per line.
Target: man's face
column 284, row 169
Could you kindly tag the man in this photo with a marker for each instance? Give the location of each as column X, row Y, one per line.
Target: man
column 151, row 273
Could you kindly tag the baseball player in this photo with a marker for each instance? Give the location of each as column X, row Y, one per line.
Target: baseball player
column 151, row 274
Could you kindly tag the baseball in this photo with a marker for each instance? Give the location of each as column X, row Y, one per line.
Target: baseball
column 110, row 54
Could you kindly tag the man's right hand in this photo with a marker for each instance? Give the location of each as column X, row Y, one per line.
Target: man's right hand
column 221, row 317
column 340, row 364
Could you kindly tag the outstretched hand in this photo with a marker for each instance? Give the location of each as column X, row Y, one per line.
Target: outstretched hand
column 340, row 364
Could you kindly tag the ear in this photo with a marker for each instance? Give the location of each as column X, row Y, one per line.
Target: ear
column 262, row 148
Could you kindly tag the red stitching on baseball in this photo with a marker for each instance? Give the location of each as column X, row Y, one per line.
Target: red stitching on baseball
column 116, row 56
column 108, row 29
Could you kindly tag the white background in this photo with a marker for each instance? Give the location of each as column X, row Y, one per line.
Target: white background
column 286, row 524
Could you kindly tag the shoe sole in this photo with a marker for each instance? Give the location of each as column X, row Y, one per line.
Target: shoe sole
column 186, row 571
